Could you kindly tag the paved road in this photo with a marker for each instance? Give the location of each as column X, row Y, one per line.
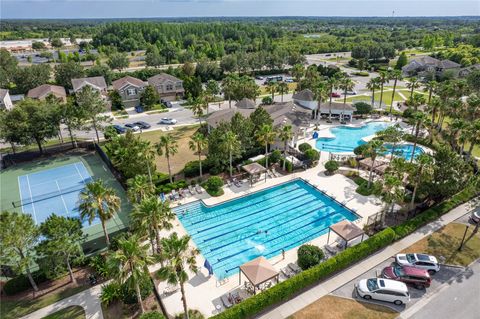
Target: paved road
column 459, row 298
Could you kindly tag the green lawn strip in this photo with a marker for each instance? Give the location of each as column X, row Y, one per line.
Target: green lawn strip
column 12, row 309
column 70, row 312
column 445, row 242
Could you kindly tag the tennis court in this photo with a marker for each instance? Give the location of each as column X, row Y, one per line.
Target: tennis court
column 54, row 190
column 53, row 184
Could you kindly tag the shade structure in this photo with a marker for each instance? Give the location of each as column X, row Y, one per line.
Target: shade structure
column 346, row 230
column 258, row 271
column 254, row 168
column 367, row 162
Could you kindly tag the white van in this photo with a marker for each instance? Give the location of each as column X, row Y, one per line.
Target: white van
column 384, row 290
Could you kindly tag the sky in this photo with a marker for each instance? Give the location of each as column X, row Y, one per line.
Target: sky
column 42, row 9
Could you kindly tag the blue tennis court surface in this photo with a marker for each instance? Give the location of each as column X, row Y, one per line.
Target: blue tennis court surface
column 260, row 224
column 53, row 190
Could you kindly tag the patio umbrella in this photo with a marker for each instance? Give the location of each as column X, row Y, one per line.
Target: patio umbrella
column 209, row 267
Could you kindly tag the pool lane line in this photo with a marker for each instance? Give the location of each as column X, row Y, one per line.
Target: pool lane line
column 31, row 198
column 257, row 201
column 244, row 216
column 61, row 196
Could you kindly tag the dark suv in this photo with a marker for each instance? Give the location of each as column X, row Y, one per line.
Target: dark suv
column 419, row 278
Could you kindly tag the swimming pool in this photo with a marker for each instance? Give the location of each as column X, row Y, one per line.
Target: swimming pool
column 348, row 138
column 260, row 224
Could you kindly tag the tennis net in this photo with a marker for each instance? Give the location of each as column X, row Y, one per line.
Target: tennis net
column 30, row 200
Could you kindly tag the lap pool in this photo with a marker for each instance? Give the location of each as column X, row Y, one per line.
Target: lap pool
column 260, row 224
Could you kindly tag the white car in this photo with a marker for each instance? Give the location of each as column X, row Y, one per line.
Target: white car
column 168, row 120
column 421, row 261
column 384, row 290
column 475, row 217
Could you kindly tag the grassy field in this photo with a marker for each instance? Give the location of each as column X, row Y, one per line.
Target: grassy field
column 12, row 309
column 387, row 98
column 446, row 241
column 71, row 312
column 291, row 88
column 330, row 307
column 182, row 136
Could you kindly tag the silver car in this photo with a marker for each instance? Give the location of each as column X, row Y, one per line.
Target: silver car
column 422, row 261
column 168, row 120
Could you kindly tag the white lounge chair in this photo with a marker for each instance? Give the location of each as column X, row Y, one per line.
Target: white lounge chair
column 175, row 194
column 191, row 190
column 225, row 301
column 198, row 189
column 229, row 183
column 294, row 267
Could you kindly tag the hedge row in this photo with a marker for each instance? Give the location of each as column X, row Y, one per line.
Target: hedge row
column 288, row 288
column 21, row 283
column 434, row 213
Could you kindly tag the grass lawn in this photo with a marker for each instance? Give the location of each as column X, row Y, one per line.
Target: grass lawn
column 446, row 241
column 182, row 136
column 387, row 97
column 330, row 307
column 12, row 309
column 71, row 312
column 291, row 88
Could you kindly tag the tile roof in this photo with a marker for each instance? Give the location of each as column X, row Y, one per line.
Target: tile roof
column 46, row 89
column 245, row 104
column 96, row 81
column 304, row 95
column 161, row 78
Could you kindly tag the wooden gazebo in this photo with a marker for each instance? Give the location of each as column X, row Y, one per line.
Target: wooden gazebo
column 254, row 169
column 346, row 230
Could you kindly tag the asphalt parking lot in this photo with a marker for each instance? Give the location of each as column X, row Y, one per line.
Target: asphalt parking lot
column 445, row 274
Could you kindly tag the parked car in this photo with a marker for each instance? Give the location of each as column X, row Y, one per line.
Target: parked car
column 351, row 92
column 166, row 103
column 419, row 278
column 132, row 126
column 167, row 120
column 143, row 125
column 335, row 94
column 421, row 261
column 289, row 80
column 384, row 290
column 258, row 77
column 475, row 217
column 139, row 109
column 120, row 129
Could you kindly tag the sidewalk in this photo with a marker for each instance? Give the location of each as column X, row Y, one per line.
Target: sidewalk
column 88, row 299
column 301, row 301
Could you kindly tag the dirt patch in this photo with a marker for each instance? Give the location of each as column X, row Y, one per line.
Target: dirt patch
column 118, row 309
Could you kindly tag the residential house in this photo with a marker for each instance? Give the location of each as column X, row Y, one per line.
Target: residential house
column 97, row 83
column 424, row 65
column 130, row 90
column 5, row 101
column 41, row 92
column 464, row 72
column 168, row 87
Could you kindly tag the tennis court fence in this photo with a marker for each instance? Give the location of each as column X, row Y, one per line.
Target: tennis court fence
column 119, row 176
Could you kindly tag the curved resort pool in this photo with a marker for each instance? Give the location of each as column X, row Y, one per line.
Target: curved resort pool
column 260, row 224
column 348, row 138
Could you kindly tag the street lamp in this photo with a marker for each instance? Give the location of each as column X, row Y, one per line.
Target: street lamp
column 463, row 239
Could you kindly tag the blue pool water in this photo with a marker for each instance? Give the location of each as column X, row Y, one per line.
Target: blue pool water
column 405, row 151
column 234, row 232
column 348, row 138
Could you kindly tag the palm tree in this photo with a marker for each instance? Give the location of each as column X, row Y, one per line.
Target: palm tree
column 430, row 87
column 129, row 264
column 455, row 128
column 229, row 84
column 167, row 146
column 285, row 135
column 372, row 150
column 346, row 84
column 266, row 136
column 139, row 188
column 231, row 145
column 372, row 85
column 197, row 144
column 298, row 71
column 321, row 93
column 179, row 256
column 474, row 136
column 98, row 200
column 416, row 100
column 392, row 135
column 332, row 84
column 282, row 88
column 419, row 119
column 413, row 84
column 421, row 170
column 395, row 75
column 150, row 216
column 272, row 88
column 391, row 191
column 197, row 106
column 383, row 80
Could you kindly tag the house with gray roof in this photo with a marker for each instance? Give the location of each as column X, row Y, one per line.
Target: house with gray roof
column 305, row 98
column 168, row 87
column 130, row 90
column 246, row 104
column 424, row 65
column 5, row 101
column 467, row 70
column 97, row 83
column 41, row 92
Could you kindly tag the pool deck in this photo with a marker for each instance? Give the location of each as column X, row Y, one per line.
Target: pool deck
column 204, row 292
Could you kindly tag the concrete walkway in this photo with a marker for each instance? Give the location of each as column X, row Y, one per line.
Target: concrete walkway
column 88, row 299
column 301, row 301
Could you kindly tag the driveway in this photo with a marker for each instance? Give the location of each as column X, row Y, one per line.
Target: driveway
column 445, row 274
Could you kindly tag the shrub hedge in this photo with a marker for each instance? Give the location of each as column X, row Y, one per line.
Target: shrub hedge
column 192, row 169
column 167, row 188
column 309, row 256
column 21, row 283
column 304, row 146
column 288, row 288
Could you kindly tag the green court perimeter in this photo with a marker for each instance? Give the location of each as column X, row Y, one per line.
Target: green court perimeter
column 10, row 192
